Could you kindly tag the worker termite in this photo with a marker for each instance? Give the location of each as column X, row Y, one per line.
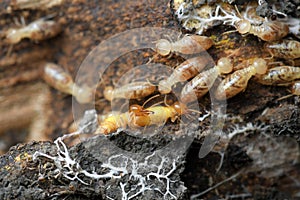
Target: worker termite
column 295, row 89
column 56, row 77
column 183, row 72
column 38, row 30
column 289, row 49
column 189, row 44
column 137, row 116
column 265, row 29
column 134, row 90
column 33, row 4
column 238, row 81
column 282, row 75
column 200, row 84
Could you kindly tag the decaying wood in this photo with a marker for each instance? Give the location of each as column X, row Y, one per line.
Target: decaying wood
column 28, row 105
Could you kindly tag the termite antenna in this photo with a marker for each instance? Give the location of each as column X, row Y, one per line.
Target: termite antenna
column 10, row 49
column 237, row 10
column 151, row 98
column 228, row 32
column 151, row 59
column 123, row 106
column 216, row 185
column 285, row 97
column 50, row 16
column 165, row 100
column 100, row 101
column 195, row 111
column 156, row 104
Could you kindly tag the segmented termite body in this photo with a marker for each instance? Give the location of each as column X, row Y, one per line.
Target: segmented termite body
column 56, row 77
column 134, row 90
column 114, row 122
column 289, row 49
column 283, row 75
column 38, row 30
column 265, row 29
column 33, row 4
column 201, row 84
column 189, row 44
column 100, row 117
column 138, row 116
column 188, row 69
column 238, row 81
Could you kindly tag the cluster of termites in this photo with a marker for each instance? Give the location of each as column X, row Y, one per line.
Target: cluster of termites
column 246, row 21
column 194, row 70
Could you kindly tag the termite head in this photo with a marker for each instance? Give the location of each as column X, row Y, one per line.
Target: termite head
column 296, row 88
column 83, row 94
column 108, row 93
column 243, row 26
column 164, row 87
column 260, row 66
column 180, row 108
column 136, row 109
column 224, row 65
column 13, row 36
column 163, row 47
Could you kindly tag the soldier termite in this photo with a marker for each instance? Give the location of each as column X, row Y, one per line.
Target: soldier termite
column 138, row 116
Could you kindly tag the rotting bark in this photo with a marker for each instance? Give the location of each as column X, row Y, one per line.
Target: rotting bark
column 23, row 178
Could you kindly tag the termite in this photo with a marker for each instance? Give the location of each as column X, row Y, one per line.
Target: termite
column 56, row 77
column 188, row 69
column 295, row 89
column 265, row 29
column 238, row 81
column 282, row 75
column 289, row 49
column 33, row 4
column 138, row 116
column 38, row 30
column 100, row 117
column 134, row 90
column 189, row 44
column 201, row 84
